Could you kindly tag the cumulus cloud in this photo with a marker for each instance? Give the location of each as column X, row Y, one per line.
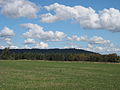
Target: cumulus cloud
column 103, row 49
column 8, row 41
column 6, row 35
column 25, row 47
column 98, row 40
column 92, row 40
column 2, row 47
column 90, row 46
column 41, row 45
column 18, row 8
column 6, row 32
column 14, row 47
column 110, row 19
column 95, row 43
column 87, row 17
column 3, row 2
column 37, row 32
column 29, row 41
column 76, row 38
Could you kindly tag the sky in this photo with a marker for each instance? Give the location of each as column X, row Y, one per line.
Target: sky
column 93, row 25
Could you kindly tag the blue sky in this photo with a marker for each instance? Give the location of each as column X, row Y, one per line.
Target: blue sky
column 68, row 24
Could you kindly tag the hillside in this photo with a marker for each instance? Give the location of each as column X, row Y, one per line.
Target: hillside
column 56, row 55
column 70, row 50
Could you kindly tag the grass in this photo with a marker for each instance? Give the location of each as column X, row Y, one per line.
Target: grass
column 46, row 75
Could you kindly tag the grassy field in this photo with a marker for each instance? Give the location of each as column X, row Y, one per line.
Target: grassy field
column 46, row 75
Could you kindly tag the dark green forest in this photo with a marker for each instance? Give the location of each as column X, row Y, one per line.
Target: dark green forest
column 56, row 55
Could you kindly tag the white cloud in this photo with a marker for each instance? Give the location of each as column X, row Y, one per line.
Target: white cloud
column 2, row 47
column 62, row 12
column 6, row 32
column 110, row 19
column 18, row 8
column 8, row 41
column 107, row 49
column 87, row 17
column 49, row 18
column 76, row 38
column 103, row 49
column 90, row 46
column 6, row 35
column 29, row 41
column 38, row 45
column 111, row 48
column 72, row 45
column 25, row 47
column 37, row 32
column 3, row 2
column 92, row 40
column 13, row 47
column 41, row 45
column 95, row 44
column 98, row 40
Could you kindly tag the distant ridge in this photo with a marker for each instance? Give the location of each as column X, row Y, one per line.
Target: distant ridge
column 55, row 50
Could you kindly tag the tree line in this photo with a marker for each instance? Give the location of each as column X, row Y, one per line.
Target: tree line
column 6, row 54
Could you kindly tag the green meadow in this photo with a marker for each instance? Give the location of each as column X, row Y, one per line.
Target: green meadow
column 52, row 75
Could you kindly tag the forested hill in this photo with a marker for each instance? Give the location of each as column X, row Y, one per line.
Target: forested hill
column 70, row 50
column 56, row 55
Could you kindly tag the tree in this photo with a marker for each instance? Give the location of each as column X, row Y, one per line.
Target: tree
column 6, row 55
